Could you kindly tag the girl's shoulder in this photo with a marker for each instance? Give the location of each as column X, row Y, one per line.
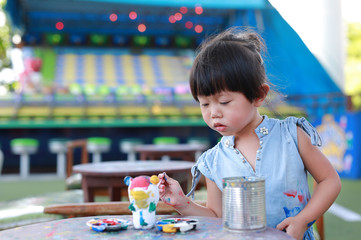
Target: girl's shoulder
column 208, row 157
column 288, row 124
column 291, row 124
column 209, row 154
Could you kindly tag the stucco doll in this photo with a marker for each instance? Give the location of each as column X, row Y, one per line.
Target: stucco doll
column 144, row 196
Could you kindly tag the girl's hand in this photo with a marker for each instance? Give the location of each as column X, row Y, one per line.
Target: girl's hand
column 294, row 227
column 170, row 192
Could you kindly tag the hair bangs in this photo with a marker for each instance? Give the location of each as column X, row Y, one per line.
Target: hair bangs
column 207, row 79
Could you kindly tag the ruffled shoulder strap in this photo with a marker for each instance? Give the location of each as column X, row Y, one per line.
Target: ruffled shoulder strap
column 196, row 173
column 310, row 130
column 202, row 168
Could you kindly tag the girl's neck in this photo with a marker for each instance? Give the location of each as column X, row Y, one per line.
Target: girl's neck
column 249, row 129
column 247, row 141
column 258, row 120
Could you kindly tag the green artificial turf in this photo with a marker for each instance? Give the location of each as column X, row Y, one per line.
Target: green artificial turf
column 16, row 189
column 350, row 197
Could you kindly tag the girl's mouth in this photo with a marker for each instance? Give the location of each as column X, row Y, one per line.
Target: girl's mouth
column 219, row 127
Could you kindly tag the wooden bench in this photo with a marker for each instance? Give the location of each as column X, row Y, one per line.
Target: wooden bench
column 104, row 208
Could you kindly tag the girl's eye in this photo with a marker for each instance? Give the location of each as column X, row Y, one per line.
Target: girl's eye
column 224, row 103
column 204, row 104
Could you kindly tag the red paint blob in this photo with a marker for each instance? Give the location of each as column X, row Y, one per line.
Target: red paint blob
column 290, row 193
column 141, row 182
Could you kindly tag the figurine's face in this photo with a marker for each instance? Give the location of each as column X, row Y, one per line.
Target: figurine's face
column 143, row 190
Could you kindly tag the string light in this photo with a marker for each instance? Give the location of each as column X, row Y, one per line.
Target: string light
column 178, row 16
column 198, row 10
column 133, row 15
column 183, row 10
column 172, row 19
column 16, row 39
column 113, row 17
column 142, row 28
column 198, row 28
column 59, row 26
column 189, row 24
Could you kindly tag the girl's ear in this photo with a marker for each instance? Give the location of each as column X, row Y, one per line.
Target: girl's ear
column 264, row 89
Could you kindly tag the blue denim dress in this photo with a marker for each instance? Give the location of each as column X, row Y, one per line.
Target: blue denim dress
column 278, row 161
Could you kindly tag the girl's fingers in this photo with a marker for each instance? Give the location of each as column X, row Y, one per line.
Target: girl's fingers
column 165, row 176
column 161, row 175
column 283, row 225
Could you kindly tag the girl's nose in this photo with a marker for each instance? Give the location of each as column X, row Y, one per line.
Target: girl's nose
column 216, row 113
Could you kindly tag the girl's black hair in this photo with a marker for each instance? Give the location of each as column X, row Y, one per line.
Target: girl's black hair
column 229, row 61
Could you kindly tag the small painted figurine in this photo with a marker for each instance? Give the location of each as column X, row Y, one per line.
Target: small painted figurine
column 144, row 196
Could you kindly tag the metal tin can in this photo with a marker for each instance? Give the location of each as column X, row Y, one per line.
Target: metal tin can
column 243, row 204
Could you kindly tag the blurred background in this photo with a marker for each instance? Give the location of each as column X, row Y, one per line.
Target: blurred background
column 118, row 70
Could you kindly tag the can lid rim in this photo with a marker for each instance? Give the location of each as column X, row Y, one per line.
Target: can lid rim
column 244, row 179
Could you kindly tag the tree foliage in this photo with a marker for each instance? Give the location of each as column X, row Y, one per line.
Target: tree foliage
column 353, row 64
column 4, row 41
column 354, row 41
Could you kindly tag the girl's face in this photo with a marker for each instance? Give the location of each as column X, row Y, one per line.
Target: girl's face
column 229, row 112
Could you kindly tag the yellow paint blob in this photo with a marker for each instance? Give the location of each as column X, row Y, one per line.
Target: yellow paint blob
column 140, row 198
column 169, row 228
column 154, row 179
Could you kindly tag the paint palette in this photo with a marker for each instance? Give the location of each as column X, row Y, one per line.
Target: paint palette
column 109, row 224
column 171, row 225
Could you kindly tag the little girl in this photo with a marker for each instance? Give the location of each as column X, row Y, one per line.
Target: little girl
column 228, row 80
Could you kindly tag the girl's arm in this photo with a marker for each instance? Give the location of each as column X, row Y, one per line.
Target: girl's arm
column 326, row 192
column 172, row 194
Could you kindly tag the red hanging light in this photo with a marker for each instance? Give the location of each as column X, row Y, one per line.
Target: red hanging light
column 59, row 26
column 183, row 10
column 142, row 27
column 198, row 28
column 172, row 19
column 198, row 10
column 178, row 16
column 133, row 15
column 189, row 24
column 113, row 17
